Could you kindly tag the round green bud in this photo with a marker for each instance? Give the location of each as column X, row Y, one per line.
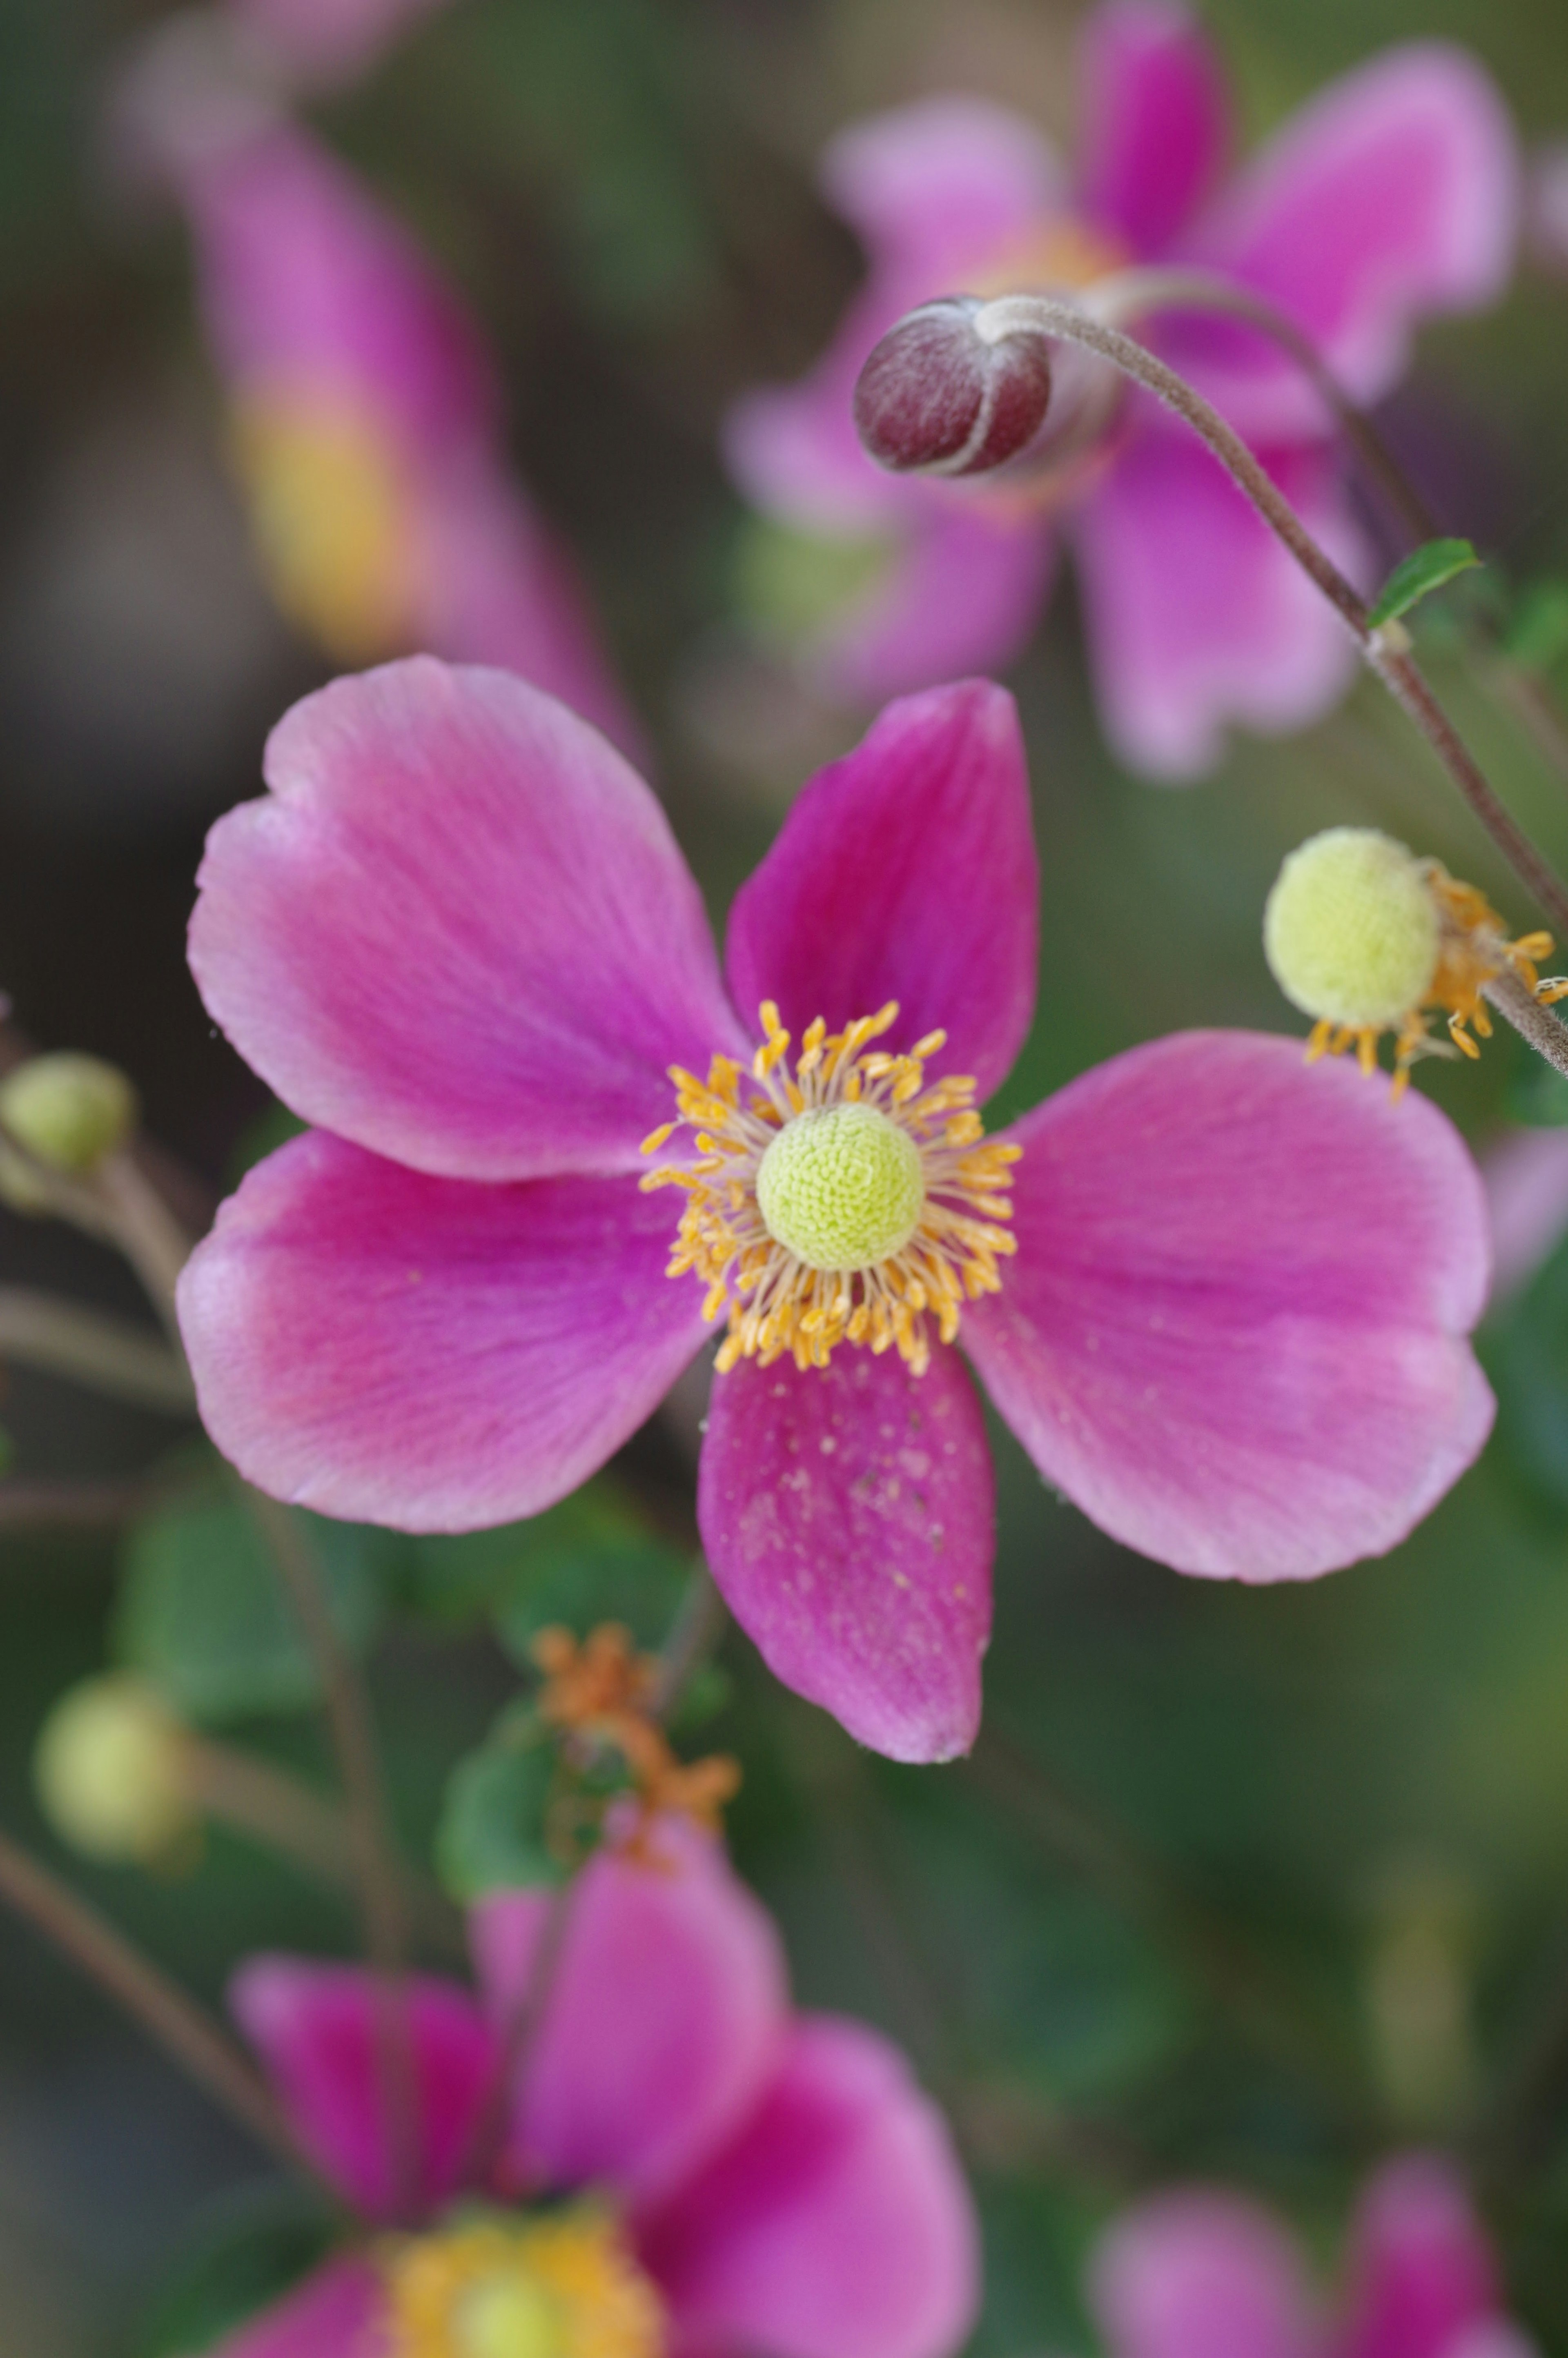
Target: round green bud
column 1351, row 929
column 109, row 1771
column 68, row 1111
column 508, row 2317
column 841, row 1186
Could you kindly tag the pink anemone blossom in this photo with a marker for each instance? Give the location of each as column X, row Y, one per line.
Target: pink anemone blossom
column 1391, row 197
column 1200, row 2274
column 1223, row 1304
column 727, row 2176
column 365, row 417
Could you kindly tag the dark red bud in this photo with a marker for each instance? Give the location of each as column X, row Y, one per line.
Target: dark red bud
column 936, row 398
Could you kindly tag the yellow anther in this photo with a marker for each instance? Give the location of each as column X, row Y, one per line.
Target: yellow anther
column 656, row 1138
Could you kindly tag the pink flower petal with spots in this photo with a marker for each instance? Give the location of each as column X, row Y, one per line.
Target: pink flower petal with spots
column 848, row 1513
column 1234, row 1330
column 836, row 2225
column 1421, row 2272
column 427, row 1353
column 340, row 2312
column 665, row 2020
column 905, row 871
column 1155, row 121
column 1392, row 196
column 318, row 2030
column 458, row 931
column 960, row 594
column 1200, row 2275
column 1199, row 619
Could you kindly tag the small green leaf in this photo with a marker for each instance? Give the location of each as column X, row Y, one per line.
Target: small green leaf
column 492, row 1834
column 259, row 2246
column 205, row 1615
column 1424, row 570
column 591, row 1559
column 1537, row 636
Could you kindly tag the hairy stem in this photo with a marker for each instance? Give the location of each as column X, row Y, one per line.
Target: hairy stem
column 65, row 1338
column 1386, row 652
column 1545, row 1032
column 185, row 2029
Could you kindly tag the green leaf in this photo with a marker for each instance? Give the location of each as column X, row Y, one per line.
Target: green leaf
column 204, row 1613
column 1424, row 570
column 492, row 1834
column 259, row 2246
column 1537, row 636
column 593, row 1558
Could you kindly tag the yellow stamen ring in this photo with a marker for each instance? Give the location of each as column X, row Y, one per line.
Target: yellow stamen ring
column 559, row 2286
column 841, row 1200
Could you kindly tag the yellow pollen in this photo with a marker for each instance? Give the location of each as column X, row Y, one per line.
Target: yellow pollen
column 1367, row 938
column 558, row 2286
column 329, row 511
column 841, row 1199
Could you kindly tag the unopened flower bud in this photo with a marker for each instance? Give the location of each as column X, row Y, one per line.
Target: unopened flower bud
column 1352, row 928
column 109, row 1771
column 67, row 1110
column 937, row 399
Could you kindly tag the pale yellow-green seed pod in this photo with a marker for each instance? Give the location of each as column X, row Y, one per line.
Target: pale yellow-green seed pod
column 109, row 1774
column 1351, row 929
column 66, row 1109
column 841, row 1188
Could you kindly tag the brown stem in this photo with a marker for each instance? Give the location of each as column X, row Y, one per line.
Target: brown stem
column 522, row 2027
column 1545, row 1032
column 697, row 1627
column 66, row 1338
column 185, row 2029
column 1395, row 665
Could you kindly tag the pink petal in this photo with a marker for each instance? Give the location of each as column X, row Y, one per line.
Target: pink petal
column 308, row 287
column 960, row 595
column 1393, row 196
column 316, row 2029
column 1234, row 1331
column 1156, row 120
column 429, row 1353
column 935, row 190
column 906, row 871
column 847, row 1514
column 1421, row 2269
column 1196, row 615
column 459, row 930
column 836, row 2225
column 338, row 2312
column 324, row 44
column 1526, row 1175
column 666, row 2016
column 1195, row 2275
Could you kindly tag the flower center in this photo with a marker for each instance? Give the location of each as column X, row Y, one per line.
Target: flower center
column 564, row 2287
column 841, row 1201
column 329, row 517
column 841, row 1188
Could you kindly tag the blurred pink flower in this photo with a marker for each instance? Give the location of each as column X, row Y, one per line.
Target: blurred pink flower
column 323, row 44
column 1526, row 1176
column 1197, row 2274
column 1549, row 207
column 1390, row 197
column 749, row 2178
column 459, row 935
column 366, row 419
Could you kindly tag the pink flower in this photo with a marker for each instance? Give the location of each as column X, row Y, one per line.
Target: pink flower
column 1391, row 197
column 459, row 936
column 719, row 2174
column 1208, row 2275
column 323, row 44
column 366, row 420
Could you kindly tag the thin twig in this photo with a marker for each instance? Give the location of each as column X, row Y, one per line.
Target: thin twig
column 1395, row 665
column 492, row 2127
column 66, row 1338
column 1545, row 1032
column 183, row 2028
column 697, row 1627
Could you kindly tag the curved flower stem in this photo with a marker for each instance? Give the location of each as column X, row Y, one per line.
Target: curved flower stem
column 1387, row 652
column 184, row 2028
column 67, row 1338
column 1545, row 1032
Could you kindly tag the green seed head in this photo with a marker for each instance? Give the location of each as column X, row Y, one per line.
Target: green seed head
column 1350, row 929
column 109, row 1771
column 841, row 1188
column 69, row 1110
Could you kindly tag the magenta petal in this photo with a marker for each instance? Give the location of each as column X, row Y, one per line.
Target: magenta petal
column 848, row 1513
column 1421, row 2269
column 906, row 871
column 318, row 2030
column 960, row 595
column 338, row 2312
column 836, row 2225
column 1233, row 1333
column 1195, row 2275
column 429, row 1353
column 459, row 930
column 1394, row 195
column 1198, row 616
column 1155, row 117
column 667, row 2013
